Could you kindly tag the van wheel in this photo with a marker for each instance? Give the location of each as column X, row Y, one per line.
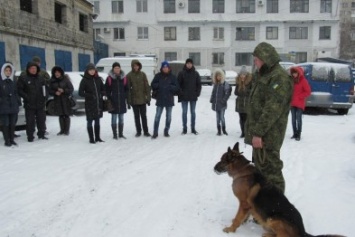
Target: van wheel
column 343, row 111
column 50, row 107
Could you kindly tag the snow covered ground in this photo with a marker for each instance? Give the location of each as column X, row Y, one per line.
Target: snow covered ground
column 167, row 187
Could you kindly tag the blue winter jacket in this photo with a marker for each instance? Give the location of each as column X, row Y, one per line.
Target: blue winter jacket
column 166, row 86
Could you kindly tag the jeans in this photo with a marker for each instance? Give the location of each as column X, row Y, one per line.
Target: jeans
column 220, row 117
column 184, row 105
column 159, row 111
column 296, row 114
column 114, row 118
column 96, row 122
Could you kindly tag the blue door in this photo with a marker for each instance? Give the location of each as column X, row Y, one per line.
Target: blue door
column 64, row 60
column 342, row 83
column 84, row 60
column 28, row 52
column 2, row 53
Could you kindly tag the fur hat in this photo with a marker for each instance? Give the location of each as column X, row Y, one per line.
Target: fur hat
column 36, row 59
column 90, row 66
column 189, row 60
column 164, row 64
column 115, row 64
column 243, row 70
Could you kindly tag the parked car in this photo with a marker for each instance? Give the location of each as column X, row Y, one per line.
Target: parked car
column 286, row 65
column 205, row 75
column 332, row 85
column 230, row 77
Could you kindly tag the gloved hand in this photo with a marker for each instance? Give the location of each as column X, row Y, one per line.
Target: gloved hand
column 128, row 106
column 104, row 97
column 148, row 103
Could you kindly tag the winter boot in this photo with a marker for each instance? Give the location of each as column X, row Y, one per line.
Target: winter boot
column 184, row 131
column 12, row 135
column 5, row 133
column 62, row 126
column 114, row 131
column 155, row 135
column 120, row 131
column 224, row 130
column 193, row 130
column 91, row 135
column 66, row 125
column 97, row 134
column 298, row 137
column 146, row 134
column 294, row 136
column 166, row 133
column 219, row 130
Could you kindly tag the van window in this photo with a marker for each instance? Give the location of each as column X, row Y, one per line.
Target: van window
column 100, row 69
column 320, row 73
column 342, row 74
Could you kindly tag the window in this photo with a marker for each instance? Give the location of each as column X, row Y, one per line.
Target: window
column 142, row 6
column 352, row 35
column 324, row 32
column 326, row 6
column 194, row 33
column 245, row 33
column 218, row 58
column 26, row 6
column 118, row 33
column 169, row 33
column 170, row 56
column 96, row 7
column 353, row 4
column 142, row 32
column 301, row 57
column 169, row 6
column 59, row 13
column 97, row 33
column 243, row 59
column 194, row 6
column 83, row 22
column 298, row 32
column 272, row 6
column 218, row 33
column 196, row 58
column 272, row 32
column 117, row 6
column 245, row 6
column 118, row 54
column 299, row 6
column 218, row 6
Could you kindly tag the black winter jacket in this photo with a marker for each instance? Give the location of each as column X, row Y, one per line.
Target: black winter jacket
column 33, row 89
column 190, row 84
column 116, row 90
column 9, row 98
column 92, row 89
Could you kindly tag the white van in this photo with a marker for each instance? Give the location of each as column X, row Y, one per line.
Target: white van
column 149, row 65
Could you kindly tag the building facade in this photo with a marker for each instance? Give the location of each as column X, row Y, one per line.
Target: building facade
column 347, row 30
column 218, row 33
column 59, row 32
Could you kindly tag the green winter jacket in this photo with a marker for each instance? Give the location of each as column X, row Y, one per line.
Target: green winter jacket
column 138, row 86
column 270, row 100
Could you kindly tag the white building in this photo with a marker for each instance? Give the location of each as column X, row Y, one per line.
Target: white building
column 218, row 33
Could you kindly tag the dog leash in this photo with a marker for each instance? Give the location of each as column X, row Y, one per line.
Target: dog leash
column 261, row 157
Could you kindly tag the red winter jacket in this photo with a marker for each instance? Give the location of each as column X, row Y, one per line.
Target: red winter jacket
column 301, row 89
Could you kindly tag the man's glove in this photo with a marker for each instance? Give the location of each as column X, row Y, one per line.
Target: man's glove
column 148, row 103
column 104, row 97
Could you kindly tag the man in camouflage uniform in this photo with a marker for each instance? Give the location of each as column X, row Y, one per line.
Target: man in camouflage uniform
column 268, row 110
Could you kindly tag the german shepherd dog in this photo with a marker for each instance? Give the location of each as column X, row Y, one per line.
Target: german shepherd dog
column 258, row 198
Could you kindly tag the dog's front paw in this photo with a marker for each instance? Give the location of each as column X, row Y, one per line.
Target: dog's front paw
column 229, row 229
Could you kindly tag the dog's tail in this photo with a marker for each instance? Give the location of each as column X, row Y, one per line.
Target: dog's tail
column 308, row 235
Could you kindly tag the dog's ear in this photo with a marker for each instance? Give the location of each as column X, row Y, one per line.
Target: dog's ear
column 229, row 149
column 236, row 147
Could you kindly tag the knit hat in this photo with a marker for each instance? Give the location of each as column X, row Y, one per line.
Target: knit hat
column 36, row 59
column 164, row 64
column 243, row 70
column 115, row 64
column 189, row 60
column 90, row 66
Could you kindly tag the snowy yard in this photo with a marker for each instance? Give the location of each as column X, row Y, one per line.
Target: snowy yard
column 167, row 187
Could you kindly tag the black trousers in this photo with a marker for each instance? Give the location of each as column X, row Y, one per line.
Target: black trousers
column 140, row 112
column 35, row 117
column 242, row 120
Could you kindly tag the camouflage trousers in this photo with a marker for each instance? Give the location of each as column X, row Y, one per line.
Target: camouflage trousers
column 270, row 165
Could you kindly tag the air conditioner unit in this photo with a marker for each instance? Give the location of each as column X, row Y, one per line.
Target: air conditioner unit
column 181, row 4
column 107, row 30
column 260, row 3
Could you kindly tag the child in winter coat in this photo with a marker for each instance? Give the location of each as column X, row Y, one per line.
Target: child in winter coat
column 220, row 94
column 301, row 90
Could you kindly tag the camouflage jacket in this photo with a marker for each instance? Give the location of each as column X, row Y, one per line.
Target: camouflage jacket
column 270, row 100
